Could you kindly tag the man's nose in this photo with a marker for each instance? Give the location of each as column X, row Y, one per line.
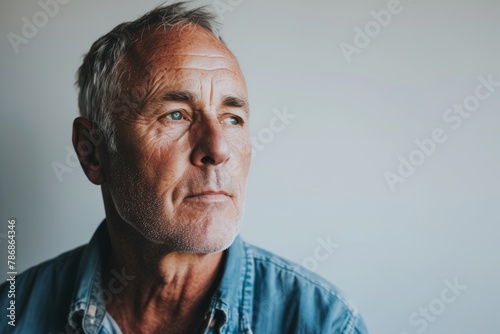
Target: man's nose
column 210, row 144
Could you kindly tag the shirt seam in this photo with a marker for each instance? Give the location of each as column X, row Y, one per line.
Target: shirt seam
column 351, row 325
column 246, row 319
column 351, row 309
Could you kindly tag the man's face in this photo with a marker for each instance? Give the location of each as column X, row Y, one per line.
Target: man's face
column 180, row 169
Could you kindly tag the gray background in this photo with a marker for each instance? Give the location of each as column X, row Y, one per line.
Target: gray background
column 323, row 175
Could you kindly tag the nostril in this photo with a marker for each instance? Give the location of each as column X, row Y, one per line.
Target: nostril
column 207, row 160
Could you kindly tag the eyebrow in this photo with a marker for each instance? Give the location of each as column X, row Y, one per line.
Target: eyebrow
column 187, row 96
column 179, row 96
column 233, row 101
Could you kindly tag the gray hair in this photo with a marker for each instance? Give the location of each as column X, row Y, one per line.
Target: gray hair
column 98, row 78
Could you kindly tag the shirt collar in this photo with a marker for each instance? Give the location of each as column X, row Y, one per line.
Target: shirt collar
column 87, row 309
column 230, row 306
column 235, row 290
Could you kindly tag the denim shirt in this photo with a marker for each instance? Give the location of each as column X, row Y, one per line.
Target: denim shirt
column 259, row 292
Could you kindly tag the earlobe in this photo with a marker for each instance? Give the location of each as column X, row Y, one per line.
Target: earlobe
column 87, row 142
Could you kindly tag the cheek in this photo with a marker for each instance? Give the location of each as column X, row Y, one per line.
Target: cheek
column 245, row 147
column 160, row 161
column 238, row 166
column 239, row 140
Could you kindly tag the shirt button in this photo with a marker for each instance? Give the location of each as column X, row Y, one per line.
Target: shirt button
column 92, row 310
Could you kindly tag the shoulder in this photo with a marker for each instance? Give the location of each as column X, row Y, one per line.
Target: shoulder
column 55, row 268
column 308, row 302
column 48, row 285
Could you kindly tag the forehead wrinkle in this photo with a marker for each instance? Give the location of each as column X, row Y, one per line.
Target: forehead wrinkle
column 199, row 61
column 177, row 69
column 204, row 94
column 211, row 102
column 186, row 60
column 181, row 54
column 224, row 55
column 182, row 43
column 237, row 92
column 201, row 90
column 213, row 67
column 207, row 94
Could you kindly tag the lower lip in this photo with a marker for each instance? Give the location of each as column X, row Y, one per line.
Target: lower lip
column 208, row 198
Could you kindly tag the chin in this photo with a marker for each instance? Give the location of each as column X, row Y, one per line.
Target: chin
column 204, row 230
column 211, row 234
column 215, row 236
column 210, row 246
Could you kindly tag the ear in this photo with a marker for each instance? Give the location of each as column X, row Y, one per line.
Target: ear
column 89, row 146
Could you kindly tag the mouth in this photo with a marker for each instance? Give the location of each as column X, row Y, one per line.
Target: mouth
column 209, row 196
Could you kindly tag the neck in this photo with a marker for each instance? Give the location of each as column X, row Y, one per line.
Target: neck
column 161, row 286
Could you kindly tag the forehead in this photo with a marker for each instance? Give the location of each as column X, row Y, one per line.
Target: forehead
column 191, row 50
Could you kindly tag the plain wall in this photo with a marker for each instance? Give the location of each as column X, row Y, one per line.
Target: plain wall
column 319, row 177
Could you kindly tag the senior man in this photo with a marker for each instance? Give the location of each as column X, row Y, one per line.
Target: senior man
column 164, row 130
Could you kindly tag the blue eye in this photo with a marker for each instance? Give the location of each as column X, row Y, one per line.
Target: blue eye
column 176, row 116
column 231, row 120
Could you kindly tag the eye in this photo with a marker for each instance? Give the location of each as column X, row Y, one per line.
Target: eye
column 231, row 120
column 175, row 116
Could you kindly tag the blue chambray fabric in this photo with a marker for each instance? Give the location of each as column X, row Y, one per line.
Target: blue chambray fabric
column 259, row 292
